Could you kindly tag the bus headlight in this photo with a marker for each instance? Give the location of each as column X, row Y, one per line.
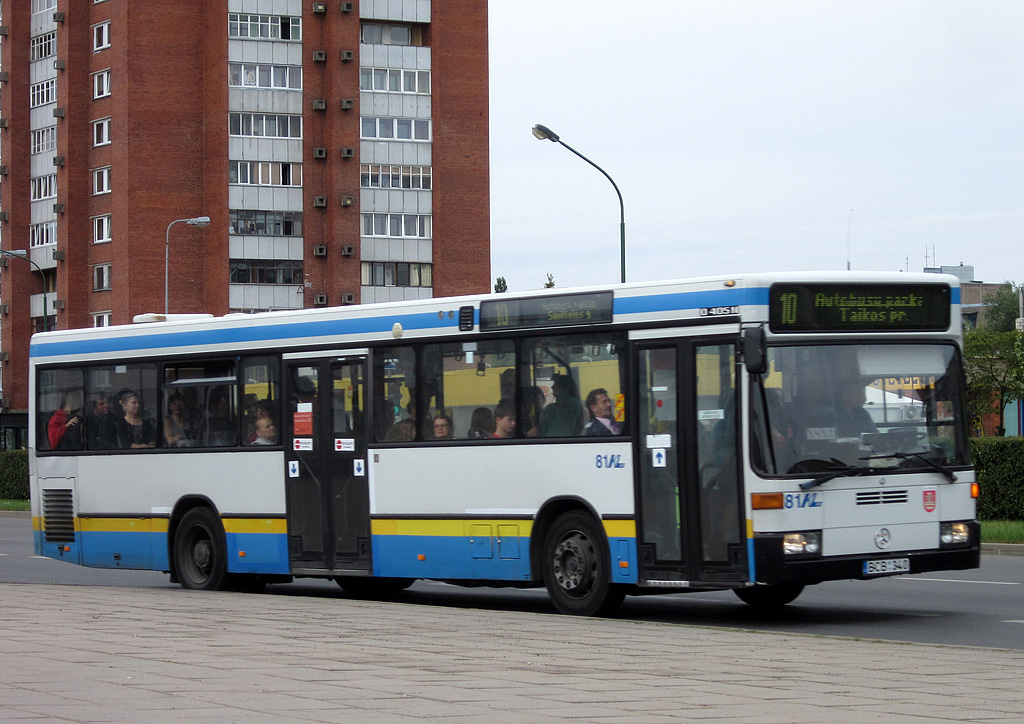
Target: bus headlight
column 807, row 543
column 952, row 534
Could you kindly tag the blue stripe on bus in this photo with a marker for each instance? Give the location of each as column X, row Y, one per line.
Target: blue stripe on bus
column 679, row 301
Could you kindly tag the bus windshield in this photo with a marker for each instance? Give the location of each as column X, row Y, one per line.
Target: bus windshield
column 886, row 406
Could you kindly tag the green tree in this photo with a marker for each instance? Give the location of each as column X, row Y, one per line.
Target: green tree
column 550, row 283
column 500, row 286
column 993, row 361
column 1003, row 308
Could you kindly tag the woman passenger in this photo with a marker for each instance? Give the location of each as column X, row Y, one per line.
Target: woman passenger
column 132, row 430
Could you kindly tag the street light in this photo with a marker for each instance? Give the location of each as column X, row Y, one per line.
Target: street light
column 199, row 221
column 22, row 254
column 543, row 133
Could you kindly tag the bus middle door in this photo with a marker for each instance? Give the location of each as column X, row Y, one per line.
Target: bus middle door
column 689, row 490
column 325, row 458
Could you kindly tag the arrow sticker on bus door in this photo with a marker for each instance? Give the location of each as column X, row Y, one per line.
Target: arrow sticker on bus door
column 293, row 468
column 658, row 458
column 359, row 467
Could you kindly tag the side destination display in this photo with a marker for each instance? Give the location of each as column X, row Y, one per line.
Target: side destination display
column 559, row 311
column 837, row 307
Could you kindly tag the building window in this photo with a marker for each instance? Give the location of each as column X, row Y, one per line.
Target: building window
column 392, row 80
column 399, row 129
column 265, row 271
column 394, row 177
column 264, row 173
column 101, row 278
column 264, row 125
column 101, row 229
column 101, row 319
column 101, row 84
column 44, row 139
column 265, row 223
column 101, row 36
column 101, row 181
column 42, row 93
column 43, row 46
column 43, row 234
column 390, row 34
column 264, row 27
column 41, row 6
column 43, row 187
column 406, row 225
column 101, row 132
column 252, row 75
column 396, row 274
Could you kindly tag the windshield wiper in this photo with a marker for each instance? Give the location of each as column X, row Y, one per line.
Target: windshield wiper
column 841, row 470
column 947, row 473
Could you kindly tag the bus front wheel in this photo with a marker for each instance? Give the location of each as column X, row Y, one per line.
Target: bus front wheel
column 768, row 597
column 200, row 553
column 577, row 568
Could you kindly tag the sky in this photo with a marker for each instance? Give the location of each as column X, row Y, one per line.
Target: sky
column 756, row 136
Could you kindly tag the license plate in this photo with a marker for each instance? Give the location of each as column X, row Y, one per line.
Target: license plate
column 890, row 565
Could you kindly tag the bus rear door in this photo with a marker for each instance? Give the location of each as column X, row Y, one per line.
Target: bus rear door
column 689, row 492
column 325, row 464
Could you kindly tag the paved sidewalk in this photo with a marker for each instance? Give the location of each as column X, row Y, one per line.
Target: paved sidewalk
column 90, row 654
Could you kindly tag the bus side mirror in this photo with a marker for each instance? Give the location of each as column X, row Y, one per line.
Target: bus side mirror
column 755, row 350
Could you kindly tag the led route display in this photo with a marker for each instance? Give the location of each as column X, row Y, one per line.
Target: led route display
column 837, row 307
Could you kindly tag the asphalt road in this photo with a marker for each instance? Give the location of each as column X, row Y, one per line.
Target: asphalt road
column 983, row 607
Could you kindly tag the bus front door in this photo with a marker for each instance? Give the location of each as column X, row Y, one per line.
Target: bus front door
column 691, row 528
column 325, row 459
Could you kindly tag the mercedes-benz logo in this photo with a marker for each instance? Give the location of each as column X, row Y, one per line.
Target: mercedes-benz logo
column 883, row 538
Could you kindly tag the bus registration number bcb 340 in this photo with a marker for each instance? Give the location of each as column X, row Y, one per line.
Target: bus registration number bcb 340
column 891, row 565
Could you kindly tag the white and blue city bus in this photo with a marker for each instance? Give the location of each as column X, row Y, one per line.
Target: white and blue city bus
column 757, row 433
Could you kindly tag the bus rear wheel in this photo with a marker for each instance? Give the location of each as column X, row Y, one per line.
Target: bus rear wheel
column 577, row 568
column 768, row 597
column 200, row 553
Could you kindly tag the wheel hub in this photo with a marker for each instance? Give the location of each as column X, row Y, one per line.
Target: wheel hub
column 573, row 564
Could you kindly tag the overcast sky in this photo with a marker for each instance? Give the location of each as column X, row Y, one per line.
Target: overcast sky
column 743, row 134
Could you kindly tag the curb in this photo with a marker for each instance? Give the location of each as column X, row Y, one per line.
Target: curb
column 15, row 514
column 1003, row 549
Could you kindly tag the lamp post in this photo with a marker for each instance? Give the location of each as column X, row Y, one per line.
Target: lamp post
column 199, row 221
column 543, row 133
column 22, row 254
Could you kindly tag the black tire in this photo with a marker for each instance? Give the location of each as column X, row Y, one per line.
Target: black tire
column 577, row 568
column 200, row 553
column 366, row 587
column 769, row 597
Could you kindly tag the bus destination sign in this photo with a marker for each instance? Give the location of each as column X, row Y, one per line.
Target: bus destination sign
column 565, row 310
column 838, row 307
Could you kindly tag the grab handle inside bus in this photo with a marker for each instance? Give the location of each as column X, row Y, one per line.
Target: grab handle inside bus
column 755, row 352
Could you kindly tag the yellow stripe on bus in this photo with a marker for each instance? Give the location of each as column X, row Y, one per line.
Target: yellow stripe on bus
column 459, row 527
column 277, row 526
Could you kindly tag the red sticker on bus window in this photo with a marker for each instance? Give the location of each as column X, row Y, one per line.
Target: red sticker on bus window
column 302, row 423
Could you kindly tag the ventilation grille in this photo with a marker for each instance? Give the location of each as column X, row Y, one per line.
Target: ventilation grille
column 58, row 516
column 882, row 497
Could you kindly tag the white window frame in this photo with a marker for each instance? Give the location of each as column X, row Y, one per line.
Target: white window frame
column 101, row 132
column 394, row 80
column 264, row 173
column 245, row 125
column 101, row 319
column 100, row 36
column 42, row 93
column 101, row 277
column 101, row 181
column 420, row 177
column 394, row 226
column 264, row 76
column 44, row 139
column 41, row 6
column 43, row 46
column 101, row 83
column 42, row 234
column 246, row 26
column 101, row 233
column 415, row 130
column 43, row 187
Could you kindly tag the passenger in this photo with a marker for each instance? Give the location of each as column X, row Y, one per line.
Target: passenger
column 442, row 426
column 533, row 405
column 402, row 431
column 600, row 406
column 851, row 417
column 564, row 416
column 132, row 430
column 64, row 431
column 178, row 430
column 266, row 431
column 481, row 424
column 99, row 426
column 504, row 420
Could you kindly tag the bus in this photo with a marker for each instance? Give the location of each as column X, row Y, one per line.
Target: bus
column 756, row 433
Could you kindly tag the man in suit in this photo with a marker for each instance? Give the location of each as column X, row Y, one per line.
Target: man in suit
column 600, row 406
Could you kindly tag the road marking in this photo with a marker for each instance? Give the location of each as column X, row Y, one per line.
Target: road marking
column 1011, row 621
column 959, row 580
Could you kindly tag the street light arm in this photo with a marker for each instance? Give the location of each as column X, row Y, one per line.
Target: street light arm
column 42, row 275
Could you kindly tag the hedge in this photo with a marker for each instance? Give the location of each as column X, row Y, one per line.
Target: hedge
column 1000, row 465
column 999, row 462
column 14, row 475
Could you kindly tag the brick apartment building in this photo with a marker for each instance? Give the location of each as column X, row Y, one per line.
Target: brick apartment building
column 339, row 149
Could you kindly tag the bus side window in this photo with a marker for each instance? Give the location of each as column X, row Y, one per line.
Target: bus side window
column 394, row 394
column 62, row 399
